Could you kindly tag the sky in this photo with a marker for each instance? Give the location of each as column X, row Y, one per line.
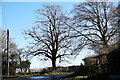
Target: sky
column 19, row 16
column 59, row 0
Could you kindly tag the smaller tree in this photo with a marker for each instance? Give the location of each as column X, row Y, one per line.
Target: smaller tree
column 25, row 66
column 21, row 56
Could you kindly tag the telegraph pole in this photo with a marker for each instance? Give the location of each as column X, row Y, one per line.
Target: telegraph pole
column 8, row 52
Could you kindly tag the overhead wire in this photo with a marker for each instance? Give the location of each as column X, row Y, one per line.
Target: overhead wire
column 3, row 16
column 7, row 37
column 3, row 25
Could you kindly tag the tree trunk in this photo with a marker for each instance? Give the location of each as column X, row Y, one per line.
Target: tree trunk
column 53, row 59
column 54, row 63
column 20, row 64
column 21, row 70
column 29, row 70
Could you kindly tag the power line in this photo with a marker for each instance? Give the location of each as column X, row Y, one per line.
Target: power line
column 3, row 16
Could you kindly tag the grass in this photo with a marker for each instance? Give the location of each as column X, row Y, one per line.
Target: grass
column 15, row 76
column 11, row 76
column 81, row 76
column 73, row 78
column 59, row 73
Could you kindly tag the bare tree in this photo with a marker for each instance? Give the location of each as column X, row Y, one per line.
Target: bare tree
column 2, row 40
column 50, row 38
column 13, row 56
column 96, row 22
column 21, row 55
column 23, row 59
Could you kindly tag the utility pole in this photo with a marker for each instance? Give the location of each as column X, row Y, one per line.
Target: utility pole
column 8, row 52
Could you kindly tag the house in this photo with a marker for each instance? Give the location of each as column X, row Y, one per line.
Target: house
column 96, row 64
column 106, row 62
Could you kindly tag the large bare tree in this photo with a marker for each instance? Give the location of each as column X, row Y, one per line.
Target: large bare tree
column 50, row 38
column 96, row 22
